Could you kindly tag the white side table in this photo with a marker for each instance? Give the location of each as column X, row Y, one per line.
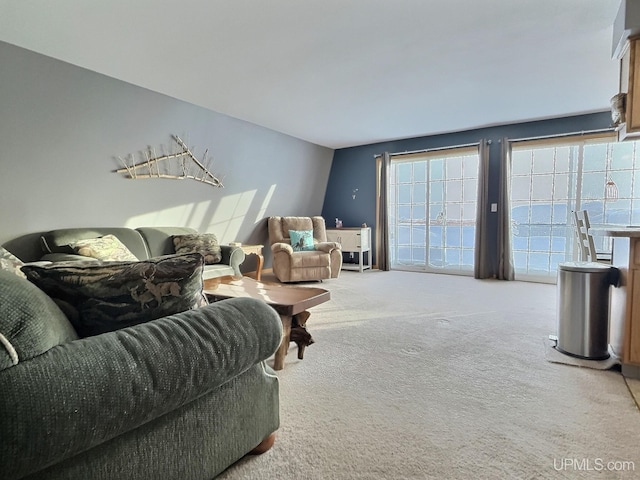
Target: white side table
column 355, row 240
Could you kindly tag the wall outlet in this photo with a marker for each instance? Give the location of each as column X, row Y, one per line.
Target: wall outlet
column 494, row 207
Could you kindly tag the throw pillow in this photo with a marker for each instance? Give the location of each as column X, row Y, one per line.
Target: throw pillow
column 109, row 296
column 205, row 244
column 108, row 248
column 30, row 322
column 11, row 263
column 301, row 240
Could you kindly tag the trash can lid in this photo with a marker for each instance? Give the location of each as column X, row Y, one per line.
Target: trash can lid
column 585, row 267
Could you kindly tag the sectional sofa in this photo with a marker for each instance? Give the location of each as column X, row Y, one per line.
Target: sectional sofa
column 144, row 243
column 180, row 395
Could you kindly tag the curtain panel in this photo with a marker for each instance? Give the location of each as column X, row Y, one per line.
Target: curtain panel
column 505, row 251
column 382, row 234
column 482, row 262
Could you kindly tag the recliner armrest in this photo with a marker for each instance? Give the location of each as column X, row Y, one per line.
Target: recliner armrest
column 327, row 247
column 282, row 247
column 80, row 394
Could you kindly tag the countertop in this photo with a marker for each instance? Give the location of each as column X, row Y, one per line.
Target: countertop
column 615, row 230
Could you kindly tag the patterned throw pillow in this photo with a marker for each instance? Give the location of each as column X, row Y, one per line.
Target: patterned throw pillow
column 301, row 240
column 99, row 298
column 11, row 263
column 205, row 244
column 107, row 248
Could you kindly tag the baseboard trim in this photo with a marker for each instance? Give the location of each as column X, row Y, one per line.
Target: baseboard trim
column 631, row 371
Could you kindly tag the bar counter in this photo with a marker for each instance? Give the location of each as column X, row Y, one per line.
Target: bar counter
column 624, row 324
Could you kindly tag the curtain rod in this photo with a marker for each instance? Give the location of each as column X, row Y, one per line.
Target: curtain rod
column 562, row 135
column 541, row 137
column 428, row 150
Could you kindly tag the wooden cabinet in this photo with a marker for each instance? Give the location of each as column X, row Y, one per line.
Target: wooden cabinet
column 632, row 330
column 630, row 85
column 632, row 343
column 353, row 240
column 624, row 315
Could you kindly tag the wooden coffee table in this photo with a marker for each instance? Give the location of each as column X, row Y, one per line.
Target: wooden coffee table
column 286, row 300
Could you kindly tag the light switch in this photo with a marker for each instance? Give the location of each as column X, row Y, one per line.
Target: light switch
column 494, row 207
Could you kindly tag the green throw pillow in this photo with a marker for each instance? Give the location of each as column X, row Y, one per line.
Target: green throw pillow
column 108, row 248
column 103, row 297
column 11, row 263
column 205, row 244
column 301, row 240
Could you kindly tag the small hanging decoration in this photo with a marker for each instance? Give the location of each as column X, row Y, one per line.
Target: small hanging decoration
column 610, row 190
column 181, row 164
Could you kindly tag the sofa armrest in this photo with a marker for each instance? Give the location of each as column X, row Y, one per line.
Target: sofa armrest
column 80, row 394
column 281, row 247
column 232, row 256
column 328, row 247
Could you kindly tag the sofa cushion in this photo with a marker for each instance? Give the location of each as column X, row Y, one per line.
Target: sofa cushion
column 30, row 322
column 104, row 297
column 296, row 223
column 159, row 240
column 308, row 259
column 301, row 240
column 60, row 240
column 11, row 263
column 205, row 244
column 107, row 248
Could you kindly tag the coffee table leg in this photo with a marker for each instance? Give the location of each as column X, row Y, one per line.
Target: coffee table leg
column 278, row 362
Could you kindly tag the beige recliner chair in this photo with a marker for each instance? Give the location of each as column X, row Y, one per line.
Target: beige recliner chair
column 290, row 265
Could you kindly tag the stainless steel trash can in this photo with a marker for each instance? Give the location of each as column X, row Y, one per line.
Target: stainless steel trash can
column 583, row 308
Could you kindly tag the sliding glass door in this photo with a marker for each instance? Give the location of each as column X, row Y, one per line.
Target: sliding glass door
column 552, row 178
column 432, row 211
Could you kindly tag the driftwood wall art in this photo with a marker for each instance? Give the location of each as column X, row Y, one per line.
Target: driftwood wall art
column 180, row 164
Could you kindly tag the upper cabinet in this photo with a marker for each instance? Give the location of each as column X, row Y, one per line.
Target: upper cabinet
column 629, row 102
column 625, row 46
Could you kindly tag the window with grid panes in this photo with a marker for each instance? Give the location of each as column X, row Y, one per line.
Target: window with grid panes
column 432, row 210
column 550, row 179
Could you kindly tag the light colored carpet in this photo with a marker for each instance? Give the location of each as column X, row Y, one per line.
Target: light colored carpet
column 419, row 376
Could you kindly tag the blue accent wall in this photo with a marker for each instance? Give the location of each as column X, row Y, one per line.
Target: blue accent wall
column 355, row 167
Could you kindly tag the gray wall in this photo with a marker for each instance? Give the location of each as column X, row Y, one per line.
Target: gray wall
column 62, row 129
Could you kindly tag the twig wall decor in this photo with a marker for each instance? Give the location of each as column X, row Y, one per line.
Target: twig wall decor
column 179, row 165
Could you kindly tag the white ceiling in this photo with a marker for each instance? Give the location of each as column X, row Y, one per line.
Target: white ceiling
column 341, row 72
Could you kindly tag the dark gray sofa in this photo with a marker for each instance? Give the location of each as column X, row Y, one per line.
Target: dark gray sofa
column 143, row 242
column 180, row 397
